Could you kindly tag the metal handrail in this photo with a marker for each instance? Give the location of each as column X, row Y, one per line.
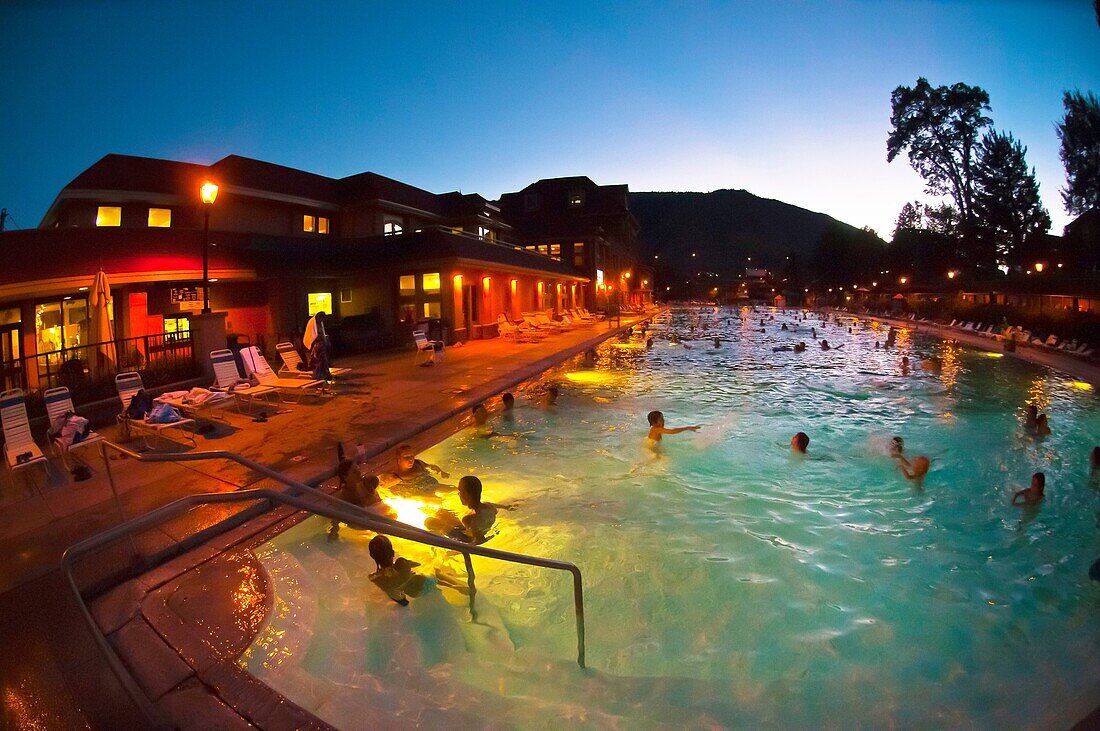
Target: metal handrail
column 330, row 507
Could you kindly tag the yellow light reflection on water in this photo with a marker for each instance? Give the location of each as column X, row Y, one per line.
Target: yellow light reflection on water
column 628, row 346
column 409, row 511
column 993, row 355
column 592, row 377
column 1082, row 385
column 1037, row 393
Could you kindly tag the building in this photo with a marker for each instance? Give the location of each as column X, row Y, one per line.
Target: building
column 382, row 255
column 588, row 227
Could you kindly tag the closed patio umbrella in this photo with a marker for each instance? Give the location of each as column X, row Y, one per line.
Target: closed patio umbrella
column 102, row 319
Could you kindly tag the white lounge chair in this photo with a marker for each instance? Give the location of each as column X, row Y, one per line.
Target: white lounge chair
column 291, row 360
column 127, row 385
column 257, row 368
column 59, row 402
column 20, row 450
column 508, row 331
column 542, row 319
column 228, row 379
column 432, row 350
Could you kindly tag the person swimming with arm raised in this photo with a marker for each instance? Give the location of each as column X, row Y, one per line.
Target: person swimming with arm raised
column 914, row 470
column 1033, row 493
column 657, row 427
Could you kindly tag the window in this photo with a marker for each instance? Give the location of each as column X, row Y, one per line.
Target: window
column 406, row 284
column 322, row 225
column 407, row 312
column 484, row 233
column 160, row 217
column 544, row 249
column 309, row 224
column 578, row 254
column 555, row 252
column 61, row 324
column 532, row 248
column 345, row 295
column 108, row 216
column 176, row 328
column 319, row 302
column 431, row 310
column 531, row 202
column 576, row 199
column 391, row 228
column 430, row 283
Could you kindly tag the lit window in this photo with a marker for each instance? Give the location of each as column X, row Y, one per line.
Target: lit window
column 576, row 199
column 319, row 302
column 599, row 277
column 555, row 251
column 430, row 282
column 108, row 216
column 544, row 249
column 309, row 224
column 578, row 254
column 407, row 284
column 176, row 328
column 431, row 310
column 484, row 233
column 532, row 248
column 322, row 225
column 391, row 228
column 160, row 217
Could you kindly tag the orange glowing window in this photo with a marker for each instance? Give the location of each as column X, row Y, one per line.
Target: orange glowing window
column 108, row 216
column 160, row 217
column 430, row 282
column 515, row 284
column 322, row 225
column 486, row 282
column 458, row 281
column 309, row 223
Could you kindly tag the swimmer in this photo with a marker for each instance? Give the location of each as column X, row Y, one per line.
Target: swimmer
column 905, row 365
column 877, row 346
column 1033, row 493
column 1042, row 426
column 813, row 333
column 394, row 575
column 550, row 398
column 479, row 521
column 1031, row 417
column 590, row 357
column 915, row 470
column 784, row 327
column 717, row 343
column 507, row 411
column 897, row 446
column 358, row 490
column 799, row 442
column 411, row 468
column 657, row 427
column 800, row 347
column 824, row 344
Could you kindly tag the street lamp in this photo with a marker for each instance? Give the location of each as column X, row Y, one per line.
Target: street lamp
column 952, row 274
column 209, row 193
column 1039, row 267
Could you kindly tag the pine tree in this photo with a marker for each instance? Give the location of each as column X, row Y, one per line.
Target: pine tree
column 1006, row 199
column 1079, row 132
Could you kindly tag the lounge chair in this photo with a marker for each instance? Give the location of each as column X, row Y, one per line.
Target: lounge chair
column 508, row 331
column 59, row 403
column 534, row 322
column 257, row 368
column 20, row 450
column 127, row 385
column 432, row 350
column 542, row 319
column 595, row 315
column 1051, row 342
column 228, row 379
column 291, row 360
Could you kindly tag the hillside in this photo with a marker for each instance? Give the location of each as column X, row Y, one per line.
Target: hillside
column 726, row 227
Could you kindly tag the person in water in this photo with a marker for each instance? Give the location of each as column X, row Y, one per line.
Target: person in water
column 905, row 365
column 800, row 347
column 1031, row 416
column 507, row 409
column 359, row 490
column 897, row 447
column 409, row 468
column 824, row 344
column 477, row 523
column 914, row 470
column 550, row 398
column 657, row 427
column 394, row 575
column 799, row 442
column 1032, row 494
column 1042, row 426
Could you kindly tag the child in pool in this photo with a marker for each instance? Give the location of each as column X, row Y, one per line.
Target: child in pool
column 474, row 526
column 508, row 404
column 1033, row 493
column 482, row 428
column 394, row 575
column 915, row 470
column 413, row 470
column 1031, row 417
column 358, row 490
column 657, row 427
column 1042, row 426
column 799, row 442
column 550, row 398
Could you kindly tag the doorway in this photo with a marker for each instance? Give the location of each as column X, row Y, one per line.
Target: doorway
column 11, row 367
column 470, row 309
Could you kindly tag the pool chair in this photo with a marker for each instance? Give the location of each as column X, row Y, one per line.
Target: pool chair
column 128, row 385
column 228, row 380
column 20, row 451
column 291, row 360
column 508, row 331
column 580, row 316
column 290, row 389
column 597, row 316
column 59, row 403
column 432, row 351
column 546, row 322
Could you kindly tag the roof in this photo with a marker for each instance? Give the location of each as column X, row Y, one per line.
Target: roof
column 126, row 172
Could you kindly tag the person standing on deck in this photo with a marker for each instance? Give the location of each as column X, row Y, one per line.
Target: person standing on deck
column 315, row 341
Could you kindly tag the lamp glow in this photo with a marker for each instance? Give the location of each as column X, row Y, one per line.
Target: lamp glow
column 208, row 192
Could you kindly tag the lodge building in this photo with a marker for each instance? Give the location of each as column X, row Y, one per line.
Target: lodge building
column 382, row 256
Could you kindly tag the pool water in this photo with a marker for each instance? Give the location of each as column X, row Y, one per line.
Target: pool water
column 728, row 582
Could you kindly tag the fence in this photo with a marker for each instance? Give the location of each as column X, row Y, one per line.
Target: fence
column 89, row 373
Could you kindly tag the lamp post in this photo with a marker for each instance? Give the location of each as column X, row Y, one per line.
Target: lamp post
column 209, row 193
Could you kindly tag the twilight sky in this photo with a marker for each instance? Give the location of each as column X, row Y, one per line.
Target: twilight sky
column 789, row 100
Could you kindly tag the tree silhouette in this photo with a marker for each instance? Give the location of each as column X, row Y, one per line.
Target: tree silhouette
column 939, row 126
column 1079, row 132
column 1006, row 199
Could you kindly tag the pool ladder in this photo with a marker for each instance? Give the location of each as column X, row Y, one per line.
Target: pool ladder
column 299, row 496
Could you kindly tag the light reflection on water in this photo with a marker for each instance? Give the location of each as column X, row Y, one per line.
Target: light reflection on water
column 728, row 581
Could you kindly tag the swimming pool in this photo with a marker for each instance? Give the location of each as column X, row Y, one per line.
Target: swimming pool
column 727, row 582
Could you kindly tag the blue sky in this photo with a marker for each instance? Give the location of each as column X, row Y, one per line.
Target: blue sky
column 788, row 100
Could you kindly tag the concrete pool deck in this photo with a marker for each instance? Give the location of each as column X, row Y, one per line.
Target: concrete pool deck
column 52, row 673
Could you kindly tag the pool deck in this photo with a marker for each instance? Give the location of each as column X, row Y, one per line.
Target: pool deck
column 52, row 672
column 1079, row 368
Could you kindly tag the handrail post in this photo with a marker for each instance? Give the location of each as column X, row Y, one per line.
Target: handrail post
column 578, row 610
column 470, row 584
column 114, row 492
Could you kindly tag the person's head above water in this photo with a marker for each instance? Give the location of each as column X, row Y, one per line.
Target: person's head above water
column 897, row 445
column 551, row 396
column 655, row 418
column 800, row 441
column 1038, row 482
column 480, row 414
column 469, row 491
column 405, row 456
column 381, row 550
column 509, row 401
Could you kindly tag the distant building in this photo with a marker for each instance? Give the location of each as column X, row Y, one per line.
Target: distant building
column 285, row 244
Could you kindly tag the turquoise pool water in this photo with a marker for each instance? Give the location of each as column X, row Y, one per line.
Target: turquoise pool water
column 729, row 583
